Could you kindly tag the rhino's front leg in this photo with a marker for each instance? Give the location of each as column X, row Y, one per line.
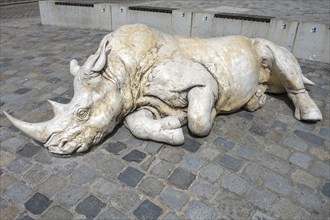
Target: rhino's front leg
column 143, row 125
column 201, row 111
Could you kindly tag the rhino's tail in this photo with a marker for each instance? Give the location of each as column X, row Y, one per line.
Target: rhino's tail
column 284, row 70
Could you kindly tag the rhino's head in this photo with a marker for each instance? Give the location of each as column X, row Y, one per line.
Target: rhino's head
column 93, row 112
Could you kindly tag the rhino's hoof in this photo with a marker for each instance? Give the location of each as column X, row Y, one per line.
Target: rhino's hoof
column 312, row 115
column 178, row 137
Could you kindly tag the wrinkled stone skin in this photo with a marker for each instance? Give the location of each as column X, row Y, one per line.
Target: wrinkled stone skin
column 157, row 83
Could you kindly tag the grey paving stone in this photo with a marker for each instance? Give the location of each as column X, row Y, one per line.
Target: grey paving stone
column 278, row 183
column 198, row 210
column 57, row 213
column 110, row 166
column 134, row 142
column 6, row 158
column 19, row 165
column 134, row 156
column 246, row 152
column 302, row 177
column 280, row 126
column 22, row 91
column 173, row 198
column 208, row 153
column 295, row 144
column 84, row 174
column 321, row 169
column 52, row 185
column 244, row 114
column 274, row 163
column 191, row 145
column 310, row 199
column 192, row 164
column 300, row 159
column 151, row 186
column 312, row 138
column 38, row 203
column 259, row 215
column 227, row 203
column 326, row 189
column 279, row 151
column 148, row 210
column 66, row 168
column 211, row 172
column 171, row 154
column 171, row 216
column 53, row 80
column 9, row 212
column 153, row 147
column 43, row 157
column 230, row 162
column 35, row 175
column 61, row 100
column 18, row 193
column 181, row 178
column 253, row 171
column 286, row 209
column 13, row 144
column 113, row 213
column 235, row 183
column 131, row 176
column 28, row 150
column 147, row 163
column 70, row 195
column 259, row 130
column 125, row 199
column 261, row 197
column 203, row 189
column 90, row 207
column 26, row 217
column 104, row 188
column 325, row 132
column 122, row 134
column 162, row 169
column 224, row 144
column 116, row 147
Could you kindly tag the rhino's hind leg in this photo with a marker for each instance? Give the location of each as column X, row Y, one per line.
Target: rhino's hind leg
column 286, row 72
column 143, row 125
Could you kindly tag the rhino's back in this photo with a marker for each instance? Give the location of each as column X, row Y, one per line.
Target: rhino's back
column 231, row 60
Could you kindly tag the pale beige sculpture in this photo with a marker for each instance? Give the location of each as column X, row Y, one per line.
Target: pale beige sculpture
column 158, row 83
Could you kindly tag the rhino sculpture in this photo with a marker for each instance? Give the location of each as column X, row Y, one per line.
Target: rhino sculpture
column 157, row 83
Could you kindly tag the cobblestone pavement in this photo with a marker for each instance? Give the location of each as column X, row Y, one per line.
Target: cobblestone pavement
column 261, row 165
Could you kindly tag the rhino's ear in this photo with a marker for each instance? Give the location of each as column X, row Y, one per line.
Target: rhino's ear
column 100, row 63
column 74, row 67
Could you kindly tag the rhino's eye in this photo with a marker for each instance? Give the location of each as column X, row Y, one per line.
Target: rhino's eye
column 82, row 113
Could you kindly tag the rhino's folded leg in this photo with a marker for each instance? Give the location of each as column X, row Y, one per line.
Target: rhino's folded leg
column 257, row 100
column 201, row 111
column 143, row 125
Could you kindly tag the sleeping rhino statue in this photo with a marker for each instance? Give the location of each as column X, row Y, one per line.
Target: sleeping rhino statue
column 156, row 83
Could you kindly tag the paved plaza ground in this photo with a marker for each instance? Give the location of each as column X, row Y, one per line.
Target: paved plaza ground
column 261, row 165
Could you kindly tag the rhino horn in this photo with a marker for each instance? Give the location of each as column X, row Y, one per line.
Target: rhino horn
column 74, row 67
column 57, row 107
column 34, row 130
